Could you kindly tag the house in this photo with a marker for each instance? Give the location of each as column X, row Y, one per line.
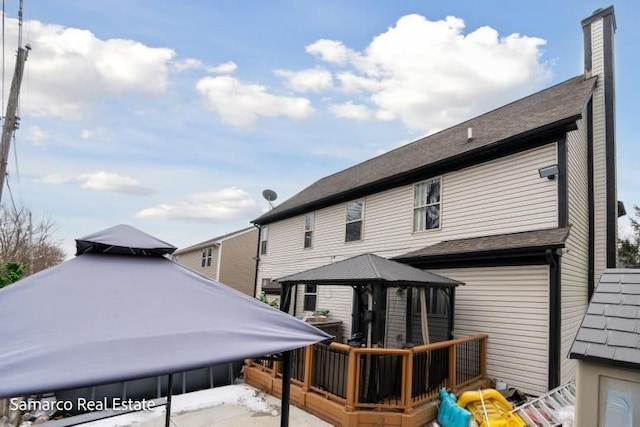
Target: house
column 229, row 259
column 607, row 351
column 518, row 203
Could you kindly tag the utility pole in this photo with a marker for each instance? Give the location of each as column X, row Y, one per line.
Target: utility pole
column 10, row 119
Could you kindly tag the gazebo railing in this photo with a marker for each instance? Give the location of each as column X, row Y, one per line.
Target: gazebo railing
column 384, row 378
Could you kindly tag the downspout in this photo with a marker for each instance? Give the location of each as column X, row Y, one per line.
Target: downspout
column 591, row 202
column 452, row 311
column 257, row 258
column 219, row 261
column 555, row 321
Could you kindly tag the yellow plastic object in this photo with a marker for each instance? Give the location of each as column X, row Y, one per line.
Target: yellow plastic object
column 498, row 409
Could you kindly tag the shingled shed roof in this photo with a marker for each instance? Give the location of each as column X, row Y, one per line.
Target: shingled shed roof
column 556, row 107
column 549, row 238
column 610, row 330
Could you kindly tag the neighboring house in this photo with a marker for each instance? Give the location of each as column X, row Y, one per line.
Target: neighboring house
column 607, row 348
column 228, row 259
column 518, row 203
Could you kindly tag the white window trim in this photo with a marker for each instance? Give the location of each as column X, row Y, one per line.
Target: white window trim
column 362, row 212
column 207, row 255
column 413, row 208
column 305, row 294
column 264, row 239
column 311, row 230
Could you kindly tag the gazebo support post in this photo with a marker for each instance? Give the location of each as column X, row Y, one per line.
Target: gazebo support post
column 408, row 337
column 286, row 388
column 379, row 309
column 285, row 302
column 167, row 418
column 452, row 305
column 356, row 312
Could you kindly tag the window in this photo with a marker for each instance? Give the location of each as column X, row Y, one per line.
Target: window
column 308, row 230
column 270, row 288
column 353, row 230
column 264, row 236
column 206, row 257
column 426, row 205
column 619, row 401
column 310, row 297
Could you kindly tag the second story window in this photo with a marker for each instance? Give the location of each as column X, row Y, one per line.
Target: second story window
column 353, row 228
column 308, row 230
column 426, row 204
column 264, row 236
column 206, row 257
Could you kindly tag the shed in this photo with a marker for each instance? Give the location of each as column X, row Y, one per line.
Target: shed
column 607, row 348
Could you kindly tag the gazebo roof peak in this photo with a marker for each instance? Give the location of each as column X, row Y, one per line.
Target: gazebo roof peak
column 369, row 268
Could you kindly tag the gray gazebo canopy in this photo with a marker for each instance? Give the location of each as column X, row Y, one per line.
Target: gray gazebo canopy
column 369, row 272
column 369, row 269
column 122, row 310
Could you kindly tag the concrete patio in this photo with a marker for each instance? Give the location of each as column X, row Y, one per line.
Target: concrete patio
column 234, row 405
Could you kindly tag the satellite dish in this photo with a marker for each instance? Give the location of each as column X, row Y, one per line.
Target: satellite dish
column 269, row 196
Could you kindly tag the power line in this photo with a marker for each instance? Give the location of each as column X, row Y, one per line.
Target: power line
column 13, row 203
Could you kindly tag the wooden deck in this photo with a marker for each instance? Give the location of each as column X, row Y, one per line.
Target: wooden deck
column 357, row 386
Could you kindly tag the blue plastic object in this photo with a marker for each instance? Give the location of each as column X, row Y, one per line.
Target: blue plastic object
column 450, row 414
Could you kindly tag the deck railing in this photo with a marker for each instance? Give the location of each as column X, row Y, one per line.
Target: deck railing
column 384, row 378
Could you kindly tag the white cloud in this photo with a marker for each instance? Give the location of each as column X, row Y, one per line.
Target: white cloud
column 430, row 75
column 105, row 181
column 311, row 80
column 187, row 64
column 65, row 62
column 53, row 179
column 240, row 104
column 225, row 204
column 625, row 230
column 226, row 68
column 196, row 64
column 36, row 135
column 330, row 51
column 86, row 134
column 349, row 110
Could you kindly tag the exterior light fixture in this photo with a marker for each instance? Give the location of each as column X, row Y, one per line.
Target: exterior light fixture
column 549, row 172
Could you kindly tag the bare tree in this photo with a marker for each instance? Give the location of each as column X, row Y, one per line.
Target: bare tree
column 27, row 243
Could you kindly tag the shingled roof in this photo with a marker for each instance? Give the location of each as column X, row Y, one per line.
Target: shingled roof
column 548, row 238
column 557, row 106
column 211, row 242
column 610, row 330
column 369, row 269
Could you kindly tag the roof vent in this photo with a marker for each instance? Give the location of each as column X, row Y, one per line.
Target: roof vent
column 469, row 134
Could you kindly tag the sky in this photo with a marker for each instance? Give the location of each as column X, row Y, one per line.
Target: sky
column 173, row 117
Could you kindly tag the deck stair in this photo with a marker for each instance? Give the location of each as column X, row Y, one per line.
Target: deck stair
column 542, row 411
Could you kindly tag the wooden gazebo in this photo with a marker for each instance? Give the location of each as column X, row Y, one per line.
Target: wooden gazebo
column 348, row 384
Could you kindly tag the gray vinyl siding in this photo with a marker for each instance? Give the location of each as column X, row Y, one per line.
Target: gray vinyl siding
column 574, row 262
column 193, row 260
column 511, row 304
column 237, row 264
column 505, row 195
column 234, row 255
column 599, row 161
